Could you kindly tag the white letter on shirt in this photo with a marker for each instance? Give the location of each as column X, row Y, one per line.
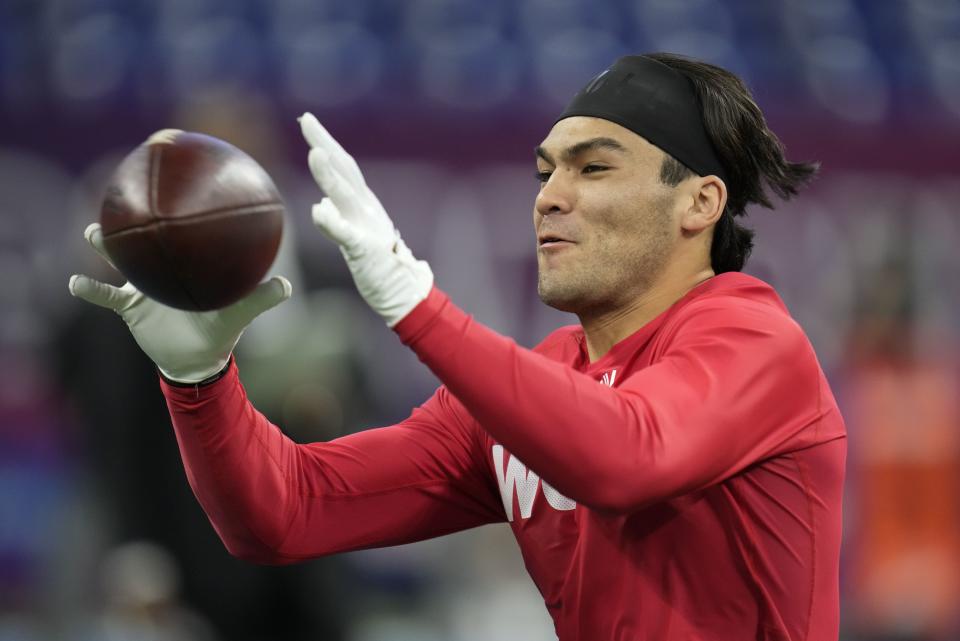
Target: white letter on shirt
column 556, row 500
column 525, row 481
column 519, row 477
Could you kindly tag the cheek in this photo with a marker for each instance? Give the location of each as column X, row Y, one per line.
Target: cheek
column 630, row 221
column 617, row 213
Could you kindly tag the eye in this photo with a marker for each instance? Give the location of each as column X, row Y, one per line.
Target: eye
column 592, row 169
column 543, row 176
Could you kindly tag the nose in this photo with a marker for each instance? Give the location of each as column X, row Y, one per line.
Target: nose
column 555, row 197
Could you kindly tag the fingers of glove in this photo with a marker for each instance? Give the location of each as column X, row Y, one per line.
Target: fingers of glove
column 94, row 235
column 317, row 136
column 267, row 295
column 334, row 226
column 102, row 294
column 334, row 185
column 377, row 213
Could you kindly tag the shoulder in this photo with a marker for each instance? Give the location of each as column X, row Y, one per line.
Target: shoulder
column 739, row 308
column 737, row 298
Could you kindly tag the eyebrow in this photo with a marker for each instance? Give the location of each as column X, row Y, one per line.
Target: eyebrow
column 587, row 145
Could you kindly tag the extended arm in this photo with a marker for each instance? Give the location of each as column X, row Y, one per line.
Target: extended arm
column 270, row 499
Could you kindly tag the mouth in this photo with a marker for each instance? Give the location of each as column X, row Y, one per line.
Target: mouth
column 546, row 241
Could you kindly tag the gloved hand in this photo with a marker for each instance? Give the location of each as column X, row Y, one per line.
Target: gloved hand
column 384, row 269
column 187, row 347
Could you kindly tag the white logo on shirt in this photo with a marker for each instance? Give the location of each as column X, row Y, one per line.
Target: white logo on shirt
column 524, row 482
column 609, row 377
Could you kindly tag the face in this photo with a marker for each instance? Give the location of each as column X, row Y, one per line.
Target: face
column 604, row 221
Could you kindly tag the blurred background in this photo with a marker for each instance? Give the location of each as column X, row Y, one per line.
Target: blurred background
column 442, row 102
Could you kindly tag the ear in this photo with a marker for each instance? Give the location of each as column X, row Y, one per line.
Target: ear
column 709, row 197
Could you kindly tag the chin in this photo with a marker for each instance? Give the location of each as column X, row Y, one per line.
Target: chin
column 561, row 305
column 561, row 298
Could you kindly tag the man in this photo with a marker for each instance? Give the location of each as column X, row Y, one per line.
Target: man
column 671, row 468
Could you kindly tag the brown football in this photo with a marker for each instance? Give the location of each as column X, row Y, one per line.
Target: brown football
column 191, row 221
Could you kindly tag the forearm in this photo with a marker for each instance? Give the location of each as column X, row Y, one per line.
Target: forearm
column 237, row 463
column 555, row 419
column 275, row 501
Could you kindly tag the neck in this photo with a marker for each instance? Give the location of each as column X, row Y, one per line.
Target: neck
column 605, row 329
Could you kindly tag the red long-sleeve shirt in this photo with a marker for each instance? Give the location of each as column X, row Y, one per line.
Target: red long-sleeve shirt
column 684, row 486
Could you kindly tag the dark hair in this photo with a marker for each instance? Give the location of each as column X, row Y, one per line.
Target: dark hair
column 750, row 153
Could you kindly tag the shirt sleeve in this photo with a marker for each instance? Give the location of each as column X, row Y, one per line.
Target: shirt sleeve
column 736, row 383
column 274, row 501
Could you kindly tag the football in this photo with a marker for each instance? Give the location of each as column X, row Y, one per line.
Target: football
column 192, row 221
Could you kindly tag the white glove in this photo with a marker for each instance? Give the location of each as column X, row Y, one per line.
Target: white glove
column 385, row 271
column 187, row 347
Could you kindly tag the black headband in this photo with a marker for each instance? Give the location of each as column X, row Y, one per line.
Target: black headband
column 654, row 101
